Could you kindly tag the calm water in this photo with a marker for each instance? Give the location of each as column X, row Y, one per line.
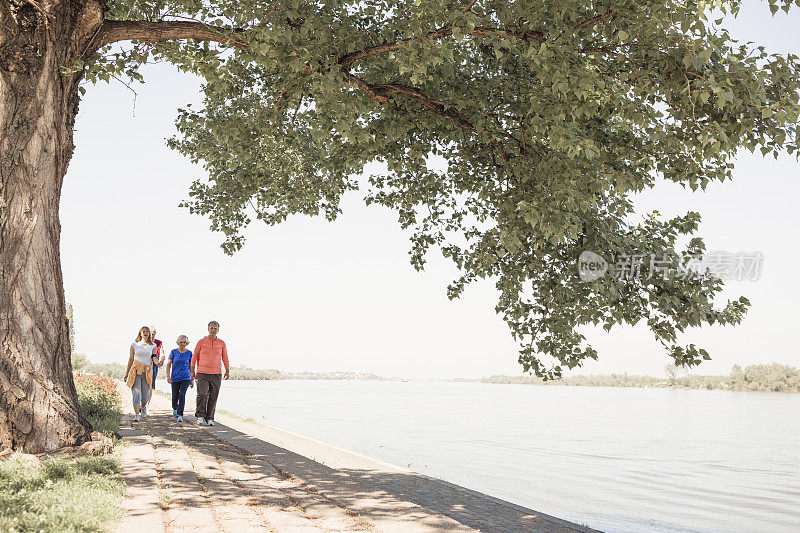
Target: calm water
column 613, row 459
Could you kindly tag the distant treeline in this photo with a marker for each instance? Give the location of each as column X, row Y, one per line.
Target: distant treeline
column 765, row 378
column 117, row 370
column 114, row 370
column 253, row 373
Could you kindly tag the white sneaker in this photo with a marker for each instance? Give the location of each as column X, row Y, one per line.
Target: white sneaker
column 144, row 411
column 174, row 413
column 180, row 418
column 210, row 422
column 201, row 422
column 136, row 417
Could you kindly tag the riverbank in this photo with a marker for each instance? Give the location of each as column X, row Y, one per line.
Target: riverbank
column 253, row 476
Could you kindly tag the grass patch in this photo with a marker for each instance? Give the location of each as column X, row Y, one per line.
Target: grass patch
column 106, row 424
column 58, row 495
column 164, row 499
column 238, row 416
column 61, row 495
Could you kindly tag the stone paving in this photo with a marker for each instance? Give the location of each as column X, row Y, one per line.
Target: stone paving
column 242, row 476
column 204, row 484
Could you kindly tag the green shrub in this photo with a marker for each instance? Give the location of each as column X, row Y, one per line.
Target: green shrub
column 100, row 402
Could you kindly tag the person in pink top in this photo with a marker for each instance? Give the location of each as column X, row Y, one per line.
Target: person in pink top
column 157, row 361
column 206, row 366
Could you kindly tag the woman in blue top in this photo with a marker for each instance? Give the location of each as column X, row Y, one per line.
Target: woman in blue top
column 179, row 375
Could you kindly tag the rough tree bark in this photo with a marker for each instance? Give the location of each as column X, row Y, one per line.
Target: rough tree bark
column 38, row 103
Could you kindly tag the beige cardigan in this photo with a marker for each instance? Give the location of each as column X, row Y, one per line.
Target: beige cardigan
column 137, row 368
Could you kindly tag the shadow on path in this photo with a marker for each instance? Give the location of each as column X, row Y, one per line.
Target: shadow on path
column 221, row 478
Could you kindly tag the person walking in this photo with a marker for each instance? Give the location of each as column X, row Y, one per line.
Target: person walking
column 206, row 366
column 179, row 375
column 158, row 361
column 139, row 373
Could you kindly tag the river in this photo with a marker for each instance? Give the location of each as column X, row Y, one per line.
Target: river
column 616, row 459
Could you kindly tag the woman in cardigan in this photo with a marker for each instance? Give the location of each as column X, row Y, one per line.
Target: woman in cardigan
column 139, row 374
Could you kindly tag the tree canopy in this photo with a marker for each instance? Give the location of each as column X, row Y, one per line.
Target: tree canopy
column 548, row 116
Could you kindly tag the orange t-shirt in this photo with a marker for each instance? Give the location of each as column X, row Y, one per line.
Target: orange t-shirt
column 208, row 356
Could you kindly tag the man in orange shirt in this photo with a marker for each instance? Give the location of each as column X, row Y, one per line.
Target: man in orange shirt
column 207, row 359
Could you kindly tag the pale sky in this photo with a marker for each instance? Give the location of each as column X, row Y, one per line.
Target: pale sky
column 319, row 296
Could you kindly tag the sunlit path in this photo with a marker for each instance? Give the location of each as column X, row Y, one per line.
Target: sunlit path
column 231, row 478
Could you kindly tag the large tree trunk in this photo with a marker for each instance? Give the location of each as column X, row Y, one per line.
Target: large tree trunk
column 38, row 103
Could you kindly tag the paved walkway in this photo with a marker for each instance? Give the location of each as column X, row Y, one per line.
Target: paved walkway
column 243, row 476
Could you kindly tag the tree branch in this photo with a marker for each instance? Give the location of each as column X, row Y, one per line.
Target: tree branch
column 347, row 60
column 437, row 107
column 598, row 18
column 468, row 6
column 141, row 30
column 382, row 93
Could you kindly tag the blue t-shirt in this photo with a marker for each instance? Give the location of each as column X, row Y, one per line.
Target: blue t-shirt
column 180, row 364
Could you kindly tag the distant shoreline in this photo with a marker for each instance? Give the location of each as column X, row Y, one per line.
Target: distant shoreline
column 753, row 378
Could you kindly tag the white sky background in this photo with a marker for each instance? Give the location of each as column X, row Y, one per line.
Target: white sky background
column 319, row 296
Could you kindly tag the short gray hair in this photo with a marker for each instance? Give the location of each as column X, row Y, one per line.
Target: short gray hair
column 182, row 338
column 214, row 322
